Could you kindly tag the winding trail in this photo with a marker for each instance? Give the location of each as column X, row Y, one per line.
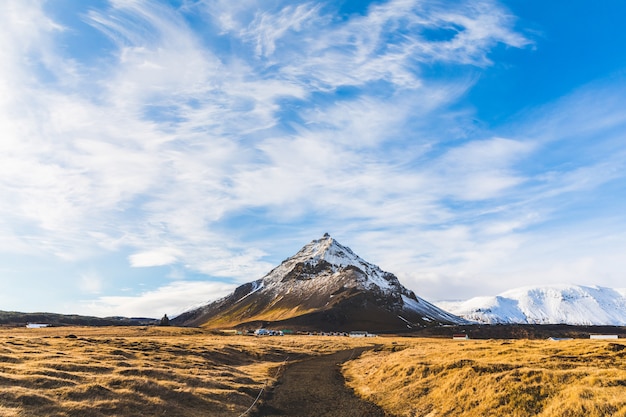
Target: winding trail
column 316, row 388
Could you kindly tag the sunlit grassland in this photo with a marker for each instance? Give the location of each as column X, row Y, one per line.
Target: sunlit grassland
column 154, row 371
column 434, row 377
column 148, row 371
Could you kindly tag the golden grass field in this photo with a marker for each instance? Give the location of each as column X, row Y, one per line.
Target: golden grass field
column 148, row 371
column 431, row 377
column 155, row 371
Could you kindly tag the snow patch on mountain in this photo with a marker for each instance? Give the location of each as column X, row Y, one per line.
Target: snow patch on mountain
column 256, row 286
column 551, row 304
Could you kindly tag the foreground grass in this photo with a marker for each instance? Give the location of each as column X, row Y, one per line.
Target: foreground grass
column 152, row 371
column 148, row 371
column 430, row 377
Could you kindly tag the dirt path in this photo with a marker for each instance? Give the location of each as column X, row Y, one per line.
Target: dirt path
column 316, row 388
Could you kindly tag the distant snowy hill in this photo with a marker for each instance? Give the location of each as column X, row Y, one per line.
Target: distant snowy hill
column 325, row 286
column 550, row 304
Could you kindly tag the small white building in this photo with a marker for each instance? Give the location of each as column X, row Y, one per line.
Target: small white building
column 36, row 325
column 460, row 336
column 603, row 336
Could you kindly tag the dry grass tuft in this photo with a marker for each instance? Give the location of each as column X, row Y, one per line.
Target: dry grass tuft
column 430, row 377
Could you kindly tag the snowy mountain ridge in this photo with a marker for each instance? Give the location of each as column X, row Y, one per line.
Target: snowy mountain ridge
column 549, row 304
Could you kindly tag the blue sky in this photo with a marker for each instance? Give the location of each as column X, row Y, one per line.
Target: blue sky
column 154, row 155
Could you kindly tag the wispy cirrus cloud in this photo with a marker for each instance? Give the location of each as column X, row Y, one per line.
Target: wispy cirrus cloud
column 215, row 146
column 161, row 143
column 268, row 27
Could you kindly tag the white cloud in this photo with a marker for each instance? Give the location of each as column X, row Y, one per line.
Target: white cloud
column 268, row 28
column 155, row 257
column 162, row 142
column 479, row 26
column 90, row 282
column 200, row 148
column 482, row 169
column 362, row 50
column 171, row 299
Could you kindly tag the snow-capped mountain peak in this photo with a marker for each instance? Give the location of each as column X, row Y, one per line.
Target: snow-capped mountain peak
column 549, row 304
column 327, row 253
column 325, row 284
column 329, row 250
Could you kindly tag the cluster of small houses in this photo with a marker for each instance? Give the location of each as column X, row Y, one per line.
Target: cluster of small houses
column 267, row 332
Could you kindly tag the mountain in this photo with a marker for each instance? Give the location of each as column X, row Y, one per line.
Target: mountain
column 326, row 287
column 550, row 304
